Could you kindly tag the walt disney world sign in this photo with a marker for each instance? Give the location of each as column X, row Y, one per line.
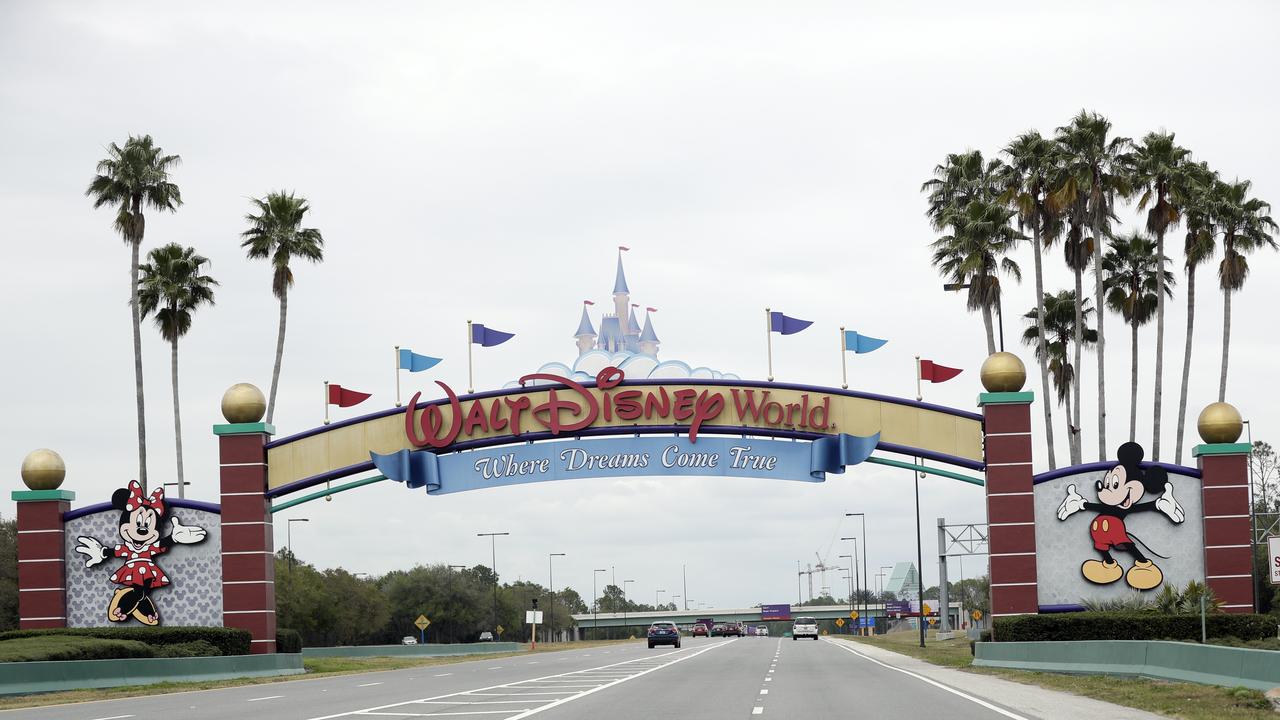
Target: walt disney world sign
column 552, row 407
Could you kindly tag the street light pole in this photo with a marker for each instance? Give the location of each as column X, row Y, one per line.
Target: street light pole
column 853, row 570
column 595, row 604
column 656, row 593
column 624, row 604
column 493, row 547
column 289, row 538
column 551, row 583
column 852, row 575
column 865, row 580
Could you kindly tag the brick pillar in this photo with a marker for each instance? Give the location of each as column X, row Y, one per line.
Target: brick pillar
column 1010, row 503
column 42, row 572
column 1228, row 560
column 248, row 556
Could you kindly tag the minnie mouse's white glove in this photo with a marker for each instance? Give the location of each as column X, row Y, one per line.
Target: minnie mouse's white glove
column 186, row 534
column 91, row 549
column 1168, row 505
column 1073, row 503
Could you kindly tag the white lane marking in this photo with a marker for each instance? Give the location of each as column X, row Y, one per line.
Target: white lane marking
column 441, row 714
column 935, row 683
column 269, row 697
column 115, row 717
column 496, row 667
column 757, row 710
column 533, row 662
column 768, row 679
column 765, row 691
column 369, row 684
column 443, row 674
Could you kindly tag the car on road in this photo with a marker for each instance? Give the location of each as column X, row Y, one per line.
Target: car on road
column 762, row 630
column 663, row 632
column 735, row 629
column 717, row 630
column 700, row 630
column 408, row 640
column 804, row 627
column 486, row 636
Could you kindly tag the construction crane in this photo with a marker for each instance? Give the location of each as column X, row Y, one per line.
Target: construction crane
column 810, row 569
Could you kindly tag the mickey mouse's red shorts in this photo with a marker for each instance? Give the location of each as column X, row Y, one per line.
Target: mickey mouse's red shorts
column 1107, row 532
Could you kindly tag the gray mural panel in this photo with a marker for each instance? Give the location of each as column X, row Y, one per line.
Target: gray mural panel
column 1063, row 545
column 194, row 596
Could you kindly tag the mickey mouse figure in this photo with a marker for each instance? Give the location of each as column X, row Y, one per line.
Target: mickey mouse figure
column 140, row 520
column 1119, row 493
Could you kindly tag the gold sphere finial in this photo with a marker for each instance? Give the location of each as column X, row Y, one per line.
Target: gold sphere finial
column 1220, row 423
column 43, row 469
column 243, row 403
column 1003, row 372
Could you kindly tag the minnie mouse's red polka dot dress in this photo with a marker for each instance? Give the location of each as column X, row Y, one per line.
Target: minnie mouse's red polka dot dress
column 139, row 568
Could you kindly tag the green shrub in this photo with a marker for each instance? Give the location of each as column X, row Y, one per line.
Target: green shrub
column 288, row 641
column 228, row 641
column 64, row 647
column 195, row 648
column 1130, row 626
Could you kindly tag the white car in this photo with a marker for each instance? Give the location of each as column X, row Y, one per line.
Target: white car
column 408, row 640
column 762, row 630
column 804, row 627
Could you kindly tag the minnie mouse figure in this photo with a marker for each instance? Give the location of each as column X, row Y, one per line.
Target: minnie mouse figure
column 140, row 520
column 1118, row 494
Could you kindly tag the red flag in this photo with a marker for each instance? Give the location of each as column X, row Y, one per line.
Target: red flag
column 343, row 397
column 935, row 373
column 587, row 302
column 651, row 309
column 623, row 247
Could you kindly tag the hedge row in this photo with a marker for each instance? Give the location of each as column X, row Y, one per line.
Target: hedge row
column 226, row 641
column 288, row 641
column 66, row 647
column 1130, row 626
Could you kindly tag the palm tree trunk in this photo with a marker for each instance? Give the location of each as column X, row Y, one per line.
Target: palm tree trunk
column 986, row 322
column 275, row 372
column 1159, row 386
column 1102, row 337
column 137, row 365
column 177, row 414
column 1042, row 354
column 1071, row 447
column 1077, row 449
column 1133, row 385
column 1226, row 343
column 1186, row 362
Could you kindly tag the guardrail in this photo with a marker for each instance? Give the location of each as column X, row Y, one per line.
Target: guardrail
column 412, row 650
column 23, row 678
column 1159, row 659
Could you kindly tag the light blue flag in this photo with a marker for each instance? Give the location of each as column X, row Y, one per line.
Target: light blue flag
column 413, row 362
column 861, row 343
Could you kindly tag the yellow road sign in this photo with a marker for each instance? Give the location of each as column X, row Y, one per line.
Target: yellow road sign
column 839, row 622
column 927, row 609
column 422, row 622
column 500, row 629
column 976, row 615
column 933, row 621
column 853, row 615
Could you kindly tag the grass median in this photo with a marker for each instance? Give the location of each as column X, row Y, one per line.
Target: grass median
column 1190, row 701
column 316, row 668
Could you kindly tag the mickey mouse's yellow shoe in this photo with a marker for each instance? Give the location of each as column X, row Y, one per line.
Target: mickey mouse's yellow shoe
column 1144, row 575
column 1101, row 573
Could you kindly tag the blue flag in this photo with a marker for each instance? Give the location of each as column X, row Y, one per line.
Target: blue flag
column 861, row 343
column 786, row 325
column 488, row 337
column 413, row 362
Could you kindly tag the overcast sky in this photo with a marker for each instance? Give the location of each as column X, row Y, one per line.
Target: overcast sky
column 483, row 160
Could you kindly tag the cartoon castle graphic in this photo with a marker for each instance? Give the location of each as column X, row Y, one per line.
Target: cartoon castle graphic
column 619, row 331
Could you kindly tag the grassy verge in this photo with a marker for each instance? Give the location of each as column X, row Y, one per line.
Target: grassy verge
column 316, row 668
column 1180, row 700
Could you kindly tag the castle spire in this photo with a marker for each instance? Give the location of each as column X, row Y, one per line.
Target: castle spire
column 620, row 280
column 649, row 341
column 586, row 335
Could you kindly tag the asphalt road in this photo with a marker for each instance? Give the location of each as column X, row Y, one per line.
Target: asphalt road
column 708, row 678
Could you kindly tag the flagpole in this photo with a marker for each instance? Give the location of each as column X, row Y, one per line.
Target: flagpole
column 397, row 376
column 768, row 339
column 844, row 365
column 326, row 402
column 919, row 396
column 471, row 384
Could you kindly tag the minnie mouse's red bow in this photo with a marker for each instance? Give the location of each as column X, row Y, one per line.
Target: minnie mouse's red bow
column 137, row 500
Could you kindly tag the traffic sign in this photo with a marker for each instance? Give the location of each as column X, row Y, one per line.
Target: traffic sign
column 533, row 617
column 499, row 629
column 853, row 615
column 422, row 622
column 1273, row 553
column 839, row 622
column 927, row 609
column 976, row 614
column 933, row 620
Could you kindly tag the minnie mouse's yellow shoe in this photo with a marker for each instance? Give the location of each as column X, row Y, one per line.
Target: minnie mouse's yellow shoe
column 1101, row 573
column 114, row 612
column 1144, row 575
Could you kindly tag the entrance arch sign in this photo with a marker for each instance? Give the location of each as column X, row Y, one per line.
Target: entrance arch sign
column 553, row 407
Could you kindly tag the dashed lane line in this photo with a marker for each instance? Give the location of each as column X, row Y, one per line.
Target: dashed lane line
column 935, row 683
column 269, row 697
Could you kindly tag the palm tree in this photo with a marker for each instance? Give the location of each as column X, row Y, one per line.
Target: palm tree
column 173, row 287
column 133, row 178
column 1077, row 251
column 1160, row 168
column 958, row 182
column 976, row 254
column 1059, row 330
column 1245, row 227
column 276, row 232
column 1198, row 248
column 1094, row 166
column 1133, row 277
column 1032, row 163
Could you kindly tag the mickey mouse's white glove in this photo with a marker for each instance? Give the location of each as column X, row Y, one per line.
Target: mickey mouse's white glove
column 1168, row 505
column 1073, row 503
column 91, row 549
column 186, row 534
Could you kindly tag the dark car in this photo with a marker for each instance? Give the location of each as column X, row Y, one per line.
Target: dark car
column 717, row 630
column 700, row 630
column 734, row 628
column 664, row 632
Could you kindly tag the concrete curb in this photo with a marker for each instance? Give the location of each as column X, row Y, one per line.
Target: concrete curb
column 1158, row 659
column 429, row 650
column 25, row 678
